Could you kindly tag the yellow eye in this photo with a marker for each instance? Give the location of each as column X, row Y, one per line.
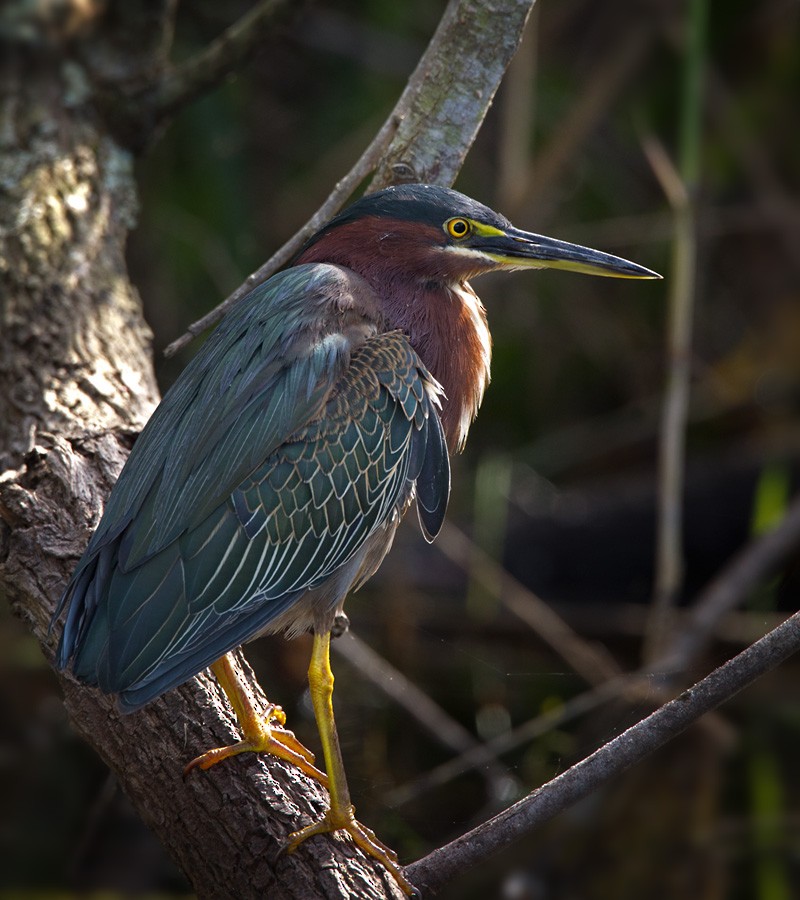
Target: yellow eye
column 457, row 228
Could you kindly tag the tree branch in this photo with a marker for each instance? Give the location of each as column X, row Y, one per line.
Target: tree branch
column 76, row 381
column 632, row 746
column 429, row 131
column 451, row 90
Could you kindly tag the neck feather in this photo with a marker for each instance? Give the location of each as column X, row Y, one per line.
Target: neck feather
column 441, row 314
column 447, row 327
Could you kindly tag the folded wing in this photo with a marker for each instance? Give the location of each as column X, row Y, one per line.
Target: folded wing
column 265, row 473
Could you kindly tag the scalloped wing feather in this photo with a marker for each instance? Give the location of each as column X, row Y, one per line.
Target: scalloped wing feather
column 182, row 578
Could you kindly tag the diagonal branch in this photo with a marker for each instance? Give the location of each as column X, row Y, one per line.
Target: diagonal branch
column 431, row 128
column 449, row 732
column 447, row 863
column 544, row 723
column 592, row 662
column 184, row 83
column 759, row 560
column 335, row 200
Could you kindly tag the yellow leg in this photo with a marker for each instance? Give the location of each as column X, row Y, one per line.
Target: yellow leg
column 341, row 813
column 261, row 734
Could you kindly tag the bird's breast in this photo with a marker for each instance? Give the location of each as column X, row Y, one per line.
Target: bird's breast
column 451, row 335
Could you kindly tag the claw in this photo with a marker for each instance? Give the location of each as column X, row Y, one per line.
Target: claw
column 345, row 820
column 261, row 733
column 278, row 741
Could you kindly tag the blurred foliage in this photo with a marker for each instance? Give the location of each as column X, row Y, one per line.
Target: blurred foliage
column 569, row 426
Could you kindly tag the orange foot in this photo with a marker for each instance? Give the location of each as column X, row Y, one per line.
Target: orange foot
column 265, row 737
column 345, row 820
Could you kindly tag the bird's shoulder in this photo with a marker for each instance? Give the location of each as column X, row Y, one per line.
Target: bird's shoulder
column 266, row 371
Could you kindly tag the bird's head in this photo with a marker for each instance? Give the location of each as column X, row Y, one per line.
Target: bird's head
column 433, row 233
column 417, row 246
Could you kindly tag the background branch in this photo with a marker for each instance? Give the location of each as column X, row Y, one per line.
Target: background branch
column 680, row 188
column 138, row 114
column 591, row 662
column 756, row 563
column 446, row 730
column 610, row 760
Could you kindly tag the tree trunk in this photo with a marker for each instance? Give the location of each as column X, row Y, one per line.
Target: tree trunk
column 76, row 384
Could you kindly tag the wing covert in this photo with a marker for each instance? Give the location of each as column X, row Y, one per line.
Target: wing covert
column 350, row 471
column 299, row 521
column 264, row 372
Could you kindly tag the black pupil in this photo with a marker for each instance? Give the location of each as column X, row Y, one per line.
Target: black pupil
column 459, row 227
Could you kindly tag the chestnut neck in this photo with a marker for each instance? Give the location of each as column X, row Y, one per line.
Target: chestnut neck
column 431, row 303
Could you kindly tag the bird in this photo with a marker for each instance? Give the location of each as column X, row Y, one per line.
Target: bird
column 270, row 480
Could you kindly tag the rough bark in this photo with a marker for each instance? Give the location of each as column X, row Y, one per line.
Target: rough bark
column 448, row 95
column 76, row 385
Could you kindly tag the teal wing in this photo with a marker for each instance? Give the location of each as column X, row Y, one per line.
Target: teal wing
column 312, row 457
column 264, row 372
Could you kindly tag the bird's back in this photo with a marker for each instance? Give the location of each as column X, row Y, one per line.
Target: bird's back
column 268, row 481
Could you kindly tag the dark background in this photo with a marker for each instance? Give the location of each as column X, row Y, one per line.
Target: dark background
column 558, row 478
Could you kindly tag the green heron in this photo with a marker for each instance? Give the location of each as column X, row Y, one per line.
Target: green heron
column 271, row 479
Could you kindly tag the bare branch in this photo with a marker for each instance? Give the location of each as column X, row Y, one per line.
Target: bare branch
column 592, row 663
column 679, row 186
column 444, row 728
column 444, row 104
column 757, row 561
column 334, row 202
column 516, row 737
column 188, row 81
column 430, row 130
column 675, row 410
column 447, row 863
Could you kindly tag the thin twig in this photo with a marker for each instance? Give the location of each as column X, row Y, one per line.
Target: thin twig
column 760, row 559
column 675, row 408
column 517, row 116
column 647, row 686
column 336, row 199
column 186, row 82
column 585, row 113
column 436, row 721
column 679, row 186
column 447, row 863
column 516, row 737
column 591, row 662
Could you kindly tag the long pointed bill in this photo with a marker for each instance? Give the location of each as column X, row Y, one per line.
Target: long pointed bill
column 514, row 249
